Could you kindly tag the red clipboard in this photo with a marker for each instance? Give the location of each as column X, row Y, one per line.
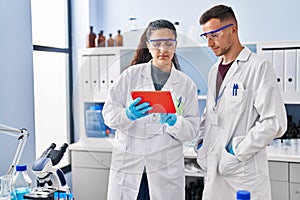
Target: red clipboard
column 161, row 101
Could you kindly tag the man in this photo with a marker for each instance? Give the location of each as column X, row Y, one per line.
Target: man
column 244, row 113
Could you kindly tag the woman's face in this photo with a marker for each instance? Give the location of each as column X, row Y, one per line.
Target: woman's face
column 162, row 46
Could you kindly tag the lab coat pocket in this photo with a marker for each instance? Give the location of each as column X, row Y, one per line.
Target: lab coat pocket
column 229, row 165
column 235, row 98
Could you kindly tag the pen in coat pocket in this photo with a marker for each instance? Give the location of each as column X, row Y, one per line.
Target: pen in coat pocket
column 234, row 89
column 179, row 102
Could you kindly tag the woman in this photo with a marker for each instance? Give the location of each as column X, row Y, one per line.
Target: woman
column 148, row 147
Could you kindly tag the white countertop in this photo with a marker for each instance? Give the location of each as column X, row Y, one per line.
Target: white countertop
column 287, row 151
column 93, row 144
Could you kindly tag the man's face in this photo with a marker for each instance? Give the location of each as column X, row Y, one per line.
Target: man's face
column 218, row 35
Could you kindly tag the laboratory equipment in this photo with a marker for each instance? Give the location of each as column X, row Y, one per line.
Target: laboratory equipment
column 47, row 175
column 5, row 187
column 94, row 124
column 22, row 135
column 101, row 39
column 21, row 182
column 91, row 38
column 49, row 178
column 131, row 24
column 110, row 41
column 119, row 39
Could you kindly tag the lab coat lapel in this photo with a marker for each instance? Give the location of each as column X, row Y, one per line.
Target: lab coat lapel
column 243, row 56
column 172, row 80
column 147, row 83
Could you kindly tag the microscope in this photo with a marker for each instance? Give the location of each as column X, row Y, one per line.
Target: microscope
column 49, row 179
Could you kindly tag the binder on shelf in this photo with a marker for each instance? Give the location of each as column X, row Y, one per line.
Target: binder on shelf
column 113, row 70
column 298, row 71
column 85, row 73
column 278, row 64
column 94, row 73
column 103, row 73
column 290, row 70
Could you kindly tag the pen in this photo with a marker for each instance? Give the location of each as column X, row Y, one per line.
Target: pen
column 234, row 89
column 179, row 101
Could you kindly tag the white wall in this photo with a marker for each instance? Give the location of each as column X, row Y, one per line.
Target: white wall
column 16, row 79
column 266, row 20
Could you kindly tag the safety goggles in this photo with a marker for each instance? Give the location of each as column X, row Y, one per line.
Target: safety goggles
column 215, row 34
column 167, row 44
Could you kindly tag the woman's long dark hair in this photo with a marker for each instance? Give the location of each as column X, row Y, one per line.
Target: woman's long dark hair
column 142, row 54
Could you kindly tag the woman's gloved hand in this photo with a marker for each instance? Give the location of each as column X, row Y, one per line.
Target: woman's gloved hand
column 134, row 111
column 230, row 149
column 169, row 119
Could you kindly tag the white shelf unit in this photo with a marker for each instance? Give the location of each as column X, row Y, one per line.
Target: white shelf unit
column 285, row 58
column 98, row 71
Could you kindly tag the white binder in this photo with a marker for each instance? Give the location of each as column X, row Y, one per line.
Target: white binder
column 113, row 69
column 84, row 73
column 278, row 64
column 94, row 73
column 290, row 70
column 298, row 71
column 103, row 73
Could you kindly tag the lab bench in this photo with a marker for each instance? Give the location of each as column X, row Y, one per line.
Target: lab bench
column 90, row 161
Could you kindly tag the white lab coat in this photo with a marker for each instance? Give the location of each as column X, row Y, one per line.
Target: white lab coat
column 249, row 121
column 145, row 143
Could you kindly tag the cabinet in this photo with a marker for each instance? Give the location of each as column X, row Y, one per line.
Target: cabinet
column 294, row 181
column 279, row 180
column 285, row 180
column 284, row 169
column 90, row 169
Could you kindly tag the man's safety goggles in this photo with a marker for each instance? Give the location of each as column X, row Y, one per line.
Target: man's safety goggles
column 215, row 34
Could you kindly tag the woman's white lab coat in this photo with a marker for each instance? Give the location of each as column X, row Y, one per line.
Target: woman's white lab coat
column 248, row 118
column 145, row 143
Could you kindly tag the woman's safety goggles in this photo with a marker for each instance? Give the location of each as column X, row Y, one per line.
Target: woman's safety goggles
column 162, row 43
column 215, row 34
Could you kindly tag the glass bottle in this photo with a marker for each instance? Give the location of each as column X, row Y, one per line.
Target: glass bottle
column 91, row 38
column 131, row 24
column 5, row 187
column 101, row 39
column 110, row 41
column 21, row 182
column 119, row 39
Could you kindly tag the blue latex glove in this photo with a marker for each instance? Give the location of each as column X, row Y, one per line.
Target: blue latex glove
column 169, row 119
column 134, row 111
column 230, row 150
column 199, row 145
